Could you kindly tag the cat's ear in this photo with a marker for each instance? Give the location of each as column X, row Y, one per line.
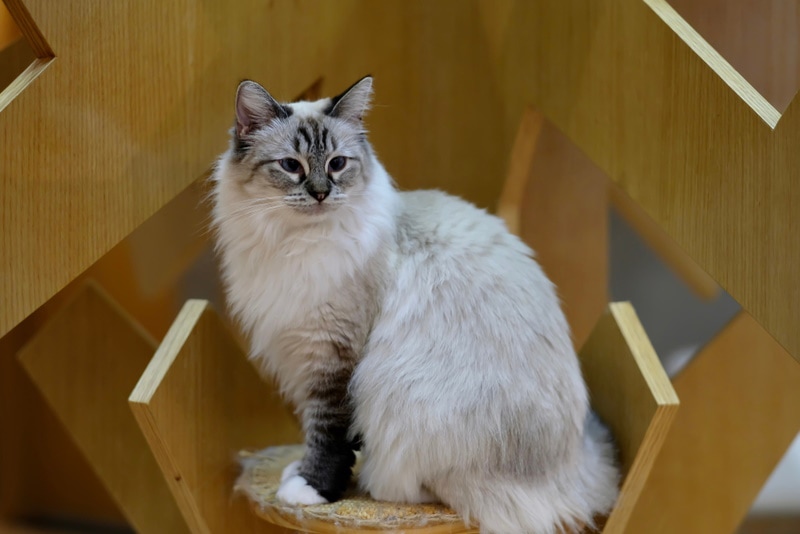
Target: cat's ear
column 354, row 103
column 255, row 108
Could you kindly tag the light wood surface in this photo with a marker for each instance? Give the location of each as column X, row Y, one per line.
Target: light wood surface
column 759, row 38
column 633, row 395
column 679, row 130
column 565, row 220
column 510, row 205
column 740, row 410
column 138, row 104
column 86, row 361
column 555, row 199
column 198, row 403
column 9, row 32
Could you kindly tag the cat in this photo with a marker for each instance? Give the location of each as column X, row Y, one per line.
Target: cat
column 410, row 324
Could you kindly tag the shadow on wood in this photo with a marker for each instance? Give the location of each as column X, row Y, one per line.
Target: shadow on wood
column 85, row 361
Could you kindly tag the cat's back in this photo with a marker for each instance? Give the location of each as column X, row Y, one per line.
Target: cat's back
column 455, row 259
column 434, row 225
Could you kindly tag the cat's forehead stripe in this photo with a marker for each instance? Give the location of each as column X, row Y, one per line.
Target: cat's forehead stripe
column 313, row 136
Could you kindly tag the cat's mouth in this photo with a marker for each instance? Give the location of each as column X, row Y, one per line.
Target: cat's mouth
column 318, row 208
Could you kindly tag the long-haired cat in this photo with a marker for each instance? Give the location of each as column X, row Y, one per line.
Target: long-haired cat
column 411, row 324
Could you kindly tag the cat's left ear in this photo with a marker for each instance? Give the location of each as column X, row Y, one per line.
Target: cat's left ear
column 354, row 103
column 255, row 108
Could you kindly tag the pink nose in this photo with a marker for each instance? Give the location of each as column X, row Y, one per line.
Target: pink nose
column 321, row 196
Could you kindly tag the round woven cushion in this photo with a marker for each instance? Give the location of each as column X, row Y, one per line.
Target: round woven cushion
column 355, row 512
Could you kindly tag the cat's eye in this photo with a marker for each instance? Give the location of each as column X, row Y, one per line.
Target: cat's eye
column 337, row 163
column 291, row 165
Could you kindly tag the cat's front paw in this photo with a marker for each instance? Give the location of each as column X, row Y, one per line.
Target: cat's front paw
column 295, row 491
column 290, row 470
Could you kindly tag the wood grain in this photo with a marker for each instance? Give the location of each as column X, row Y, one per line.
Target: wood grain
column 679, row 130
column 633, row 395
column 555, row 199
column 9, row 31
column 663, row 245
column 740, row 410
column 760, row 39
column 510, row 205
column 86, row 361
column 138, row 104
column 42, row 471
column 198, row 403
column 565, row 220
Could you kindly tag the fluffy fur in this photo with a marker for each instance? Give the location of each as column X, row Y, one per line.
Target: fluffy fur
column 413, row 324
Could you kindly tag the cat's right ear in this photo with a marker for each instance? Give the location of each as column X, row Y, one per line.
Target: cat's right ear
column 256, row 108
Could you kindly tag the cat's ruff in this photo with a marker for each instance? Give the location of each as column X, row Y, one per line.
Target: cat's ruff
column 413, row 321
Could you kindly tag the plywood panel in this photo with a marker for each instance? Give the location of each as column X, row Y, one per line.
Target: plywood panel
column 555, row 199
column 740, row 410
column 760, row 39
column 680, row 131
column 198, row 403
column 633, row 396
column 86, row 361
column 565, row 220
column 139, row 102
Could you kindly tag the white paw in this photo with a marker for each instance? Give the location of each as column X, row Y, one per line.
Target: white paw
column 295, row 491
column 290, row 470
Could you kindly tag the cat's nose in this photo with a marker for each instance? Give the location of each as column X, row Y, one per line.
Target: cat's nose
column 318, row 193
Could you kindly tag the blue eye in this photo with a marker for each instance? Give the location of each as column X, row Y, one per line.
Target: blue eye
column 337, row 163
column 291, row 165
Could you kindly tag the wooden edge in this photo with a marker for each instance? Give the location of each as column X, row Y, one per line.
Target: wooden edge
column 187, row 505
column 644, row 354
column 140, row 398
column 637, row 476
column 509, row 207
column 714, row 59
column 142, row 332
column 29, row 29
column 23, row 80
column 168, row 351
column 666, row 405
column 663, row 245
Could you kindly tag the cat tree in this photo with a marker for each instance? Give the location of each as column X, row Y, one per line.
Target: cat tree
column 126, row 104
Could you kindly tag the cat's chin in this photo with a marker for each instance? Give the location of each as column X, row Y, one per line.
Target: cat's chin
column 315, row 210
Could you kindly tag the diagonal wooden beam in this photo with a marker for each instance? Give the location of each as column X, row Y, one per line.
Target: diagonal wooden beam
column 679, row 130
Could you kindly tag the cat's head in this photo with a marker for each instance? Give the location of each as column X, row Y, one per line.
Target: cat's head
column 302, row 158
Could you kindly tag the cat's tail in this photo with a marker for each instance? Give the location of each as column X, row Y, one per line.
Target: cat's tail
column 566, row 502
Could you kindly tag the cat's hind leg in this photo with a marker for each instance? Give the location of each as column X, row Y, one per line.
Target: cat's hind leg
column 390, row 482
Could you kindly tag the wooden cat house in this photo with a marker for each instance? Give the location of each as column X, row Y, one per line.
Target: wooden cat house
column 111, row 114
